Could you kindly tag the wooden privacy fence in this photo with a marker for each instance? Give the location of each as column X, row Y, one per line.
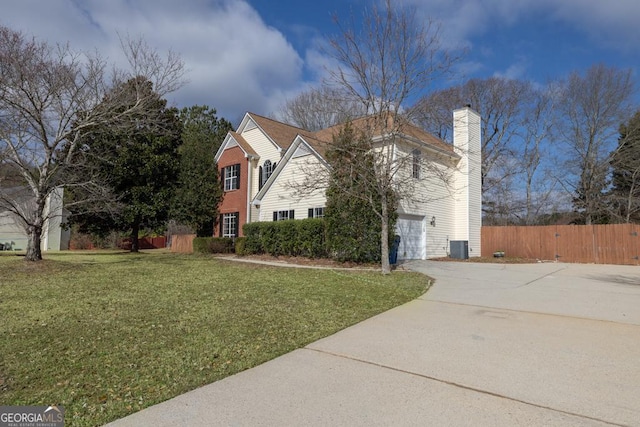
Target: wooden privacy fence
column 182, row 243
column 145, row 243
column 600, row 244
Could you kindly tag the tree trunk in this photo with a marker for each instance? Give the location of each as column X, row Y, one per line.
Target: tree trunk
column 384, row 238
column 135, row 229
column 34, row 252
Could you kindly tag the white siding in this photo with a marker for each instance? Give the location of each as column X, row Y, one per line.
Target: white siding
column 10, row 232
column 54, row 236
column 265, row 149
column 431, row 196
column 281, row 194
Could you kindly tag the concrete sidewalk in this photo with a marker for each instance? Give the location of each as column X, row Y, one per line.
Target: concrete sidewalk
column 489, row 345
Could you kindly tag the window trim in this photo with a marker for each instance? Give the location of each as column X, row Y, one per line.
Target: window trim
column 233, row 228
column 317, row 212
column 284, row 215
column 231, row 177
column 265, row 171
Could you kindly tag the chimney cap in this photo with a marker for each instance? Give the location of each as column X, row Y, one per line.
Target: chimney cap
column 468, row 105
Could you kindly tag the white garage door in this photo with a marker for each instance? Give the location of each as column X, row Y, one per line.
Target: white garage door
column 412, row 239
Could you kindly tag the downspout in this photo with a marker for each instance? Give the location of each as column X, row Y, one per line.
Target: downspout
column 249, row 189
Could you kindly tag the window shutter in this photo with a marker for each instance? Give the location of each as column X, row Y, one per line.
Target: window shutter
column 238, row 180
column 310, row 213
column 260, row 179
column 221, row 225
column 275, row 215
column 291, row 214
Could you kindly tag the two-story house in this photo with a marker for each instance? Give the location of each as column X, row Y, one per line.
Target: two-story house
column 263, row 160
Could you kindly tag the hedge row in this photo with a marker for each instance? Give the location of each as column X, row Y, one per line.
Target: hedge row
column 304, row 237
column 213, row 245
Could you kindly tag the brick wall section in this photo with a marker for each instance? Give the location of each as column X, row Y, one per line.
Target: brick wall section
column 234, row 200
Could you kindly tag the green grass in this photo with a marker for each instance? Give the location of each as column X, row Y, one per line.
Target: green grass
column 106, row 334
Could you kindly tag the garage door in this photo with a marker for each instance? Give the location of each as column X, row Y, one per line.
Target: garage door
column 412, row 239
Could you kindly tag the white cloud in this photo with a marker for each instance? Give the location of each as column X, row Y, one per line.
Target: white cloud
column 236, row 62
column 515, row 71
column 609, row 23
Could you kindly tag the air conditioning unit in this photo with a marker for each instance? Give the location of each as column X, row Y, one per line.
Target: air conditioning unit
column 459, row 249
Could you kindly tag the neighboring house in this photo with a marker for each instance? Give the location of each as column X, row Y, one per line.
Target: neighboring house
column 54, row 235
column 263, row 163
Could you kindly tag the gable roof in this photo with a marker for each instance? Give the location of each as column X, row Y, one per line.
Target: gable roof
column 281, row 133
column 405, row 128
column 244, row 144
column 240, row 141
column 299, row 142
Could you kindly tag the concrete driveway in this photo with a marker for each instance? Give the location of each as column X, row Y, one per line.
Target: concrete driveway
column 488, row 345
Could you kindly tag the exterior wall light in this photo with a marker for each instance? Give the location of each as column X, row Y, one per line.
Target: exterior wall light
column 433, row 221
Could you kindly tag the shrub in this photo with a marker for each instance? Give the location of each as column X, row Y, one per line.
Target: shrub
column 240, row 246
column 287, row 236
column 213, row 245
column 295, row 238
column 311, row 238
column 253, row 238
column 269, row 238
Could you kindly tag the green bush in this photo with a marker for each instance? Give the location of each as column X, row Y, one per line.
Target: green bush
column 287, row 237
column 253, row 238
column 269, row 238
column 294, row 238
column 213, row 245
column 311, row 238
column 240, row 245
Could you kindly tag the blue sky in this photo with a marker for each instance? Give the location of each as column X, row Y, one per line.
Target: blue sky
column 253, row 55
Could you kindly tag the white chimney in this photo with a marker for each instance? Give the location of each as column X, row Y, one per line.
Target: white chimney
column 467, row 178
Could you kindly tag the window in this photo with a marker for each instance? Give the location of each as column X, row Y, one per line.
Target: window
column 417, row 159
column 229, row 224
column 231, row 176
column 316, row 212
column 265, row 172
column 283, row 215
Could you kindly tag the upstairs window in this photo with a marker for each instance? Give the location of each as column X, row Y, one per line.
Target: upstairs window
column 316, row 212
column 283, row 215
column 231, row 176
column 416, row 163
column 265, row 172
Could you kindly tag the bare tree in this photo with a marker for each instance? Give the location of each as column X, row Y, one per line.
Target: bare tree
column 394, row 57
column 319, row 108
column 499, row 101
column 624, row 197
column 432, row 112
column 50, row 96
column 592, row 107
column 535, row 133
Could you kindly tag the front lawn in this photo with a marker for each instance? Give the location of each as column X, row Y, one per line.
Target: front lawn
column 106, row 334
